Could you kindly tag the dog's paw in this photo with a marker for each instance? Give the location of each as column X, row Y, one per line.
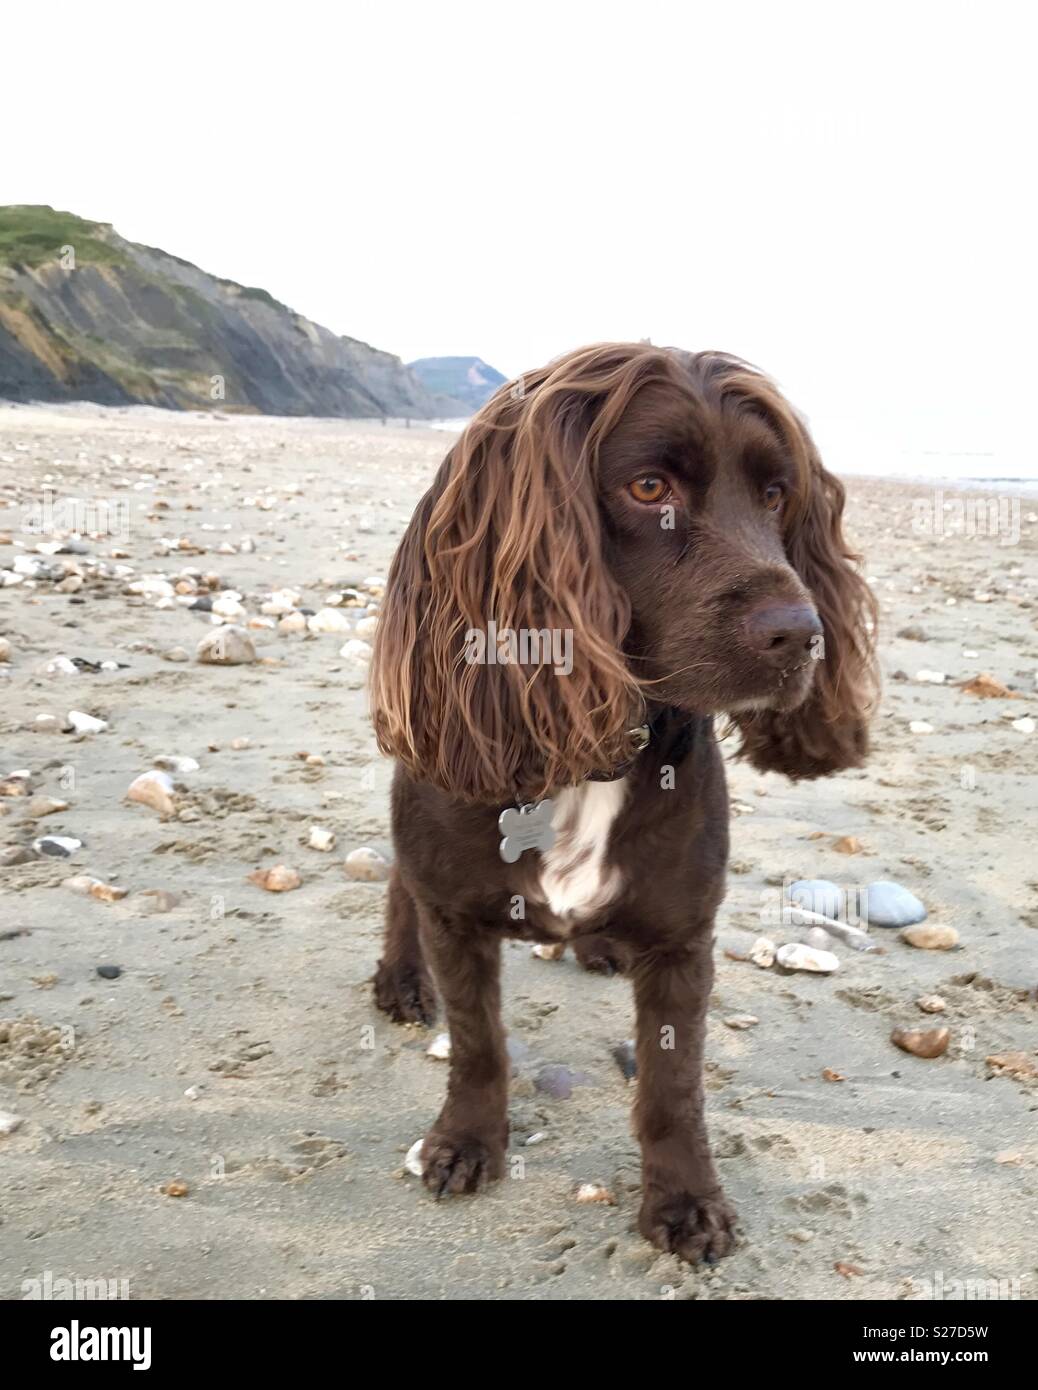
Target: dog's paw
column 405, row 993
column 453, row 1164
column 693, row 1228
column 600, row 955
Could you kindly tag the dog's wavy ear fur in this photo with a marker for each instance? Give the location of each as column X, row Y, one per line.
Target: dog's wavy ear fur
column 509, row 534
column 829, row 732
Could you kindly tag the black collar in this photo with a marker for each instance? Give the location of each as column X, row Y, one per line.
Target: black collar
column 666, row 721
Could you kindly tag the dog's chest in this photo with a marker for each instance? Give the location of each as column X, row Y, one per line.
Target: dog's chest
column 576, row 877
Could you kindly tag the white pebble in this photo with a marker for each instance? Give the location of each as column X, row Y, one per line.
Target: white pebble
column 356, row 651
column 321, row 839
column 797, row 956
column 86, row 723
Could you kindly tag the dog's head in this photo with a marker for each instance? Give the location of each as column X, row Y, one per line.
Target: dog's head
column 629, row 526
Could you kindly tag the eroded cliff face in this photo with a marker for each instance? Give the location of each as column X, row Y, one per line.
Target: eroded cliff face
column 469, row 380
column 120, row 323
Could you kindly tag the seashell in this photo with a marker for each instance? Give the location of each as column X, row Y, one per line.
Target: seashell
column 594, row 1192
column 154, row 789
column 762, row 952
column 367, row 865
column 279, row 879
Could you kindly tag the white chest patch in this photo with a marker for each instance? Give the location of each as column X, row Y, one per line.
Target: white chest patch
column 576, row 879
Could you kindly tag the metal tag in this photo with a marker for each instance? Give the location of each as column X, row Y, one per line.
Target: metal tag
column 525, row 827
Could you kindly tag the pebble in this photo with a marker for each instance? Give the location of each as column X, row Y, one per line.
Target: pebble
column 558, row 1080
column 922, row 1042
column 228, row 605
column 931, row 677
column 440, row 1047
column 281, row 601
column 86, row 723
column 40, row 806
column 356, row 651
column 817, row 895
column 920, row 726
column 279, row 879
column 5, row 649
column 321, row 839
column 176, row 654
column 57, row 846
column 367, row 865
column 931, row 937
column 172, row 762
column 328, row 620
column 193, row 1092
column 46, row 724
column 176, row 1188
column 61, row 666
column 818, row 939
column 625, row 1056
column 16, row 854
column 762, row 952
column 797, row 956
column 891, row 905
column 366, row 628
column 8, row 1122
column 545, row 950
column 931, row 1004
column 292, row 622
column 537, row 1138
column 109, row 972
column 226, row 646
column 594, row 1192
column 155, row 900
column 740, row 1022
column 1025, row 725
column 155, row 789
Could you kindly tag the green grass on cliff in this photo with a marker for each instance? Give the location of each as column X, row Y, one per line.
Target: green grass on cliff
column 33, row 235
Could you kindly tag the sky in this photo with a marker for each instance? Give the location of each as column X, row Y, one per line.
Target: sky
column 841, row 193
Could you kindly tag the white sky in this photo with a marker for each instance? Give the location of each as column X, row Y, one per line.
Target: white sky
column 841, row 192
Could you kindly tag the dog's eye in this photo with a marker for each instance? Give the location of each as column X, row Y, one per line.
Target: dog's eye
column 648, row 489
column 774, row 496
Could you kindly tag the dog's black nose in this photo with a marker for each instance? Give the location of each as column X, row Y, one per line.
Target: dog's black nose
column 781, row 633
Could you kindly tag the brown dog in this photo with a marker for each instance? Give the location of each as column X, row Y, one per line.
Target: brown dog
column 619, row 547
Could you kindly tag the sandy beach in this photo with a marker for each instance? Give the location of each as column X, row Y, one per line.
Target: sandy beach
column 237, row 1059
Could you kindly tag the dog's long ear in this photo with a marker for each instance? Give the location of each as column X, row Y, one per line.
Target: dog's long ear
column 829, row 732
column 507, row 541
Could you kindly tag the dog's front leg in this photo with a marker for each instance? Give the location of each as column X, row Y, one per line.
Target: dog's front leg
column 683, row 1208
column 465, row 1149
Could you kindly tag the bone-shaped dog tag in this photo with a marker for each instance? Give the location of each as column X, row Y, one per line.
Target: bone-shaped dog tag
column 525, row 827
